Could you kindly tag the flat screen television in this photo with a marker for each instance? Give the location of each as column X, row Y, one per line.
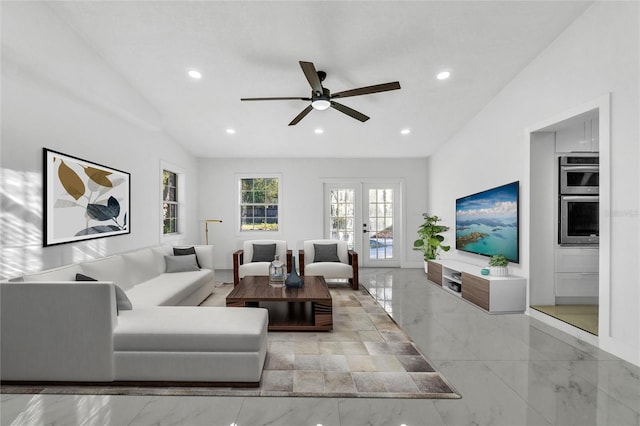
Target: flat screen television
column 487, row 222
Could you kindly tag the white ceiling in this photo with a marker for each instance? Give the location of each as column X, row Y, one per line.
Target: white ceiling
column 252, row 49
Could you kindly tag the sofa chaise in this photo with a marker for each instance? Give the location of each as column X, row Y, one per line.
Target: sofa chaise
column 54, row 328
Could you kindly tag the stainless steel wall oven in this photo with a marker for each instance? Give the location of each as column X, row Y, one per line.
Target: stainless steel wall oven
column 579, row 203
column 579, row 175
column 579, row 219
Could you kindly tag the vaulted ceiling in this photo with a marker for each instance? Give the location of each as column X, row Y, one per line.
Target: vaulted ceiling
column 252, row 49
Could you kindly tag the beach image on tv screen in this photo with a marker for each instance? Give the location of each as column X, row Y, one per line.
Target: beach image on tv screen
column 487, row 222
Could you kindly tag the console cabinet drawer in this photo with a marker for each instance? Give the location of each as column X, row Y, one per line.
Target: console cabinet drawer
column 475, row 290
column 435, row 272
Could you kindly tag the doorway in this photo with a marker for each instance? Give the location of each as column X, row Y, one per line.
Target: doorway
column 568, row 283
column 367, row 216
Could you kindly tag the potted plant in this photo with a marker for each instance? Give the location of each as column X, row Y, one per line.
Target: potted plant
column 498, row 265
column 430, row 240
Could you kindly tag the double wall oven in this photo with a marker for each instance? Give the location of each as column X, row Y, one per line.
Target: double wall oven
column 579, row 200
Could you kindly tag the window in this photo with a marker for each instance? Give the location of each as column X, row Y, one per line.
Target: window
column 169, row 202
column 259, row 199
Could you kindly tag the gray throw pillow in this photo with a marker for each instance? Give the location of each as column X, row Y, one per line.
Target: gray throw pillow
column 325, row 253
column 122, row 301
column 264, row 252
column 184, row 251
column 183, row 263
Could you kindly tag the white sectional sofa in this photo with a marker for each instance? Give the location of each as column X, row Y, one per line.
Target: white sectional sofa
column 54, row 328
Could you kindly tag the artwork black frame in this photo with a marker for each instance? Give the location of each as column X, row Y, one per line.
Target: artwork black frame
column 83, row 200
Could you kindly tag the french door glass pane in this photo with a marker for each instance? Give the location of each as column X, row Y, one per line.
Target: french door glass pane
column 342, row 215
column 380, row 223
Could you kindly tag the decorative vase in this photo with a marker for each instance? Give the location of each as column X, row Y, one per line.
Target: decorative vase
column 294, row 280
column 277, row 272
column 499, row 271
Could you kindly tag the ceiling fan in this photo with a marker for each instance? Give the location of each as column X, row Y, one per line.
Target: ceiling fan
column 321, row 97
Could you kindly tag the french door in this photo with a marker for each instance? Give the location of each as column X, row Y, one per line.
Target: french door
column 367, row 216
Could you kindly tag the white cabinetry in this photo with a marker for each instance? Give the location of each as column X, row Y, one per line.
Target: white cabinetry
column 576, row 274
column 580, row 137
column 493, row 294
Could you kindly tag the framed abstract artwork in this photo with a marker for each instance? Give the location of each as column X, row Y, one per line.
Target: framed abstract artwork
column 83, row 200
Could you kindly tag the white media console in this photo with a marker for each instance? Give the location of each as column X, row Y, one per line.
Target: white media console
column 496, row 295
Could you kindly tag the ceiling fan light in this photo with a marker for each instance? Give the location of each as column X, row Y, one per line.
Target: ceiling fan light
column 321, row 104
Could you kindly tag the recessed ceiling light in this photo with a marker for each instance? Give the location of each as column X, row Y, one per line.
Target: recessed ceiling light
column 405, row 131
column 443, row 75
column 195, row 74
column 231, row 131
column 319, row 131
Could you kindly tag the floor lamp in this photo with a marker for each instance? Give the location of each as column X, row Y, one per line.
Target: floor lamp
column 206, row 228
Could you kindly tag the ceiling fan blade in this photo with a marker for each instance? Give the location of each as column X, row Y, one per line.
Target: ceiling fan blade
column 275, row 99
column 349, row 111
column 367, row 90
column 312, row 76
column 300, row 116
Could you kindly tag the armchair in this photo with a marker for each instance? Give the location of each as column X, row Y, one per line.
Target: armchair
column 255, row 256
column 324, row 261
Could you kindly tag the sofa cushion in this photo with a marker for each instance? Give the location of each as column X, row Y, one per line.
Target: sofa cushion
column 325, row 253
column 264, row 253
column 181, row 263
column 191, row 329
column 111, row 268
column 65, row 273
column 159, row 253
column 168, row 289
column 205, row 257
column 141, row 265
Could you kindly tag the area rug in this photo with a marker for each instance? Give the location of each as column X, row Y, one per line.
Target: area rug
column 366, row 355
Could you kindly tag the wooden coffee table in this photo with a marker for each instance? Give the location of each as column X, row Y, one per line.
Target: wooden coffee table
column 290, row 309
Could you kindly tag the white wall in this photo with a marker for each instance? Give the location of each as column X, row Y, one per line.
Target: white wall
column 302, row 197
column 543, row 190
column 59, row 93
column 596, row 55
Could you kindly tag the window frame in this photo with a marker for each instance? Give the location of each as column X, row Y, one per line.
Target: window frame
column 239, row 204
column 181, row 203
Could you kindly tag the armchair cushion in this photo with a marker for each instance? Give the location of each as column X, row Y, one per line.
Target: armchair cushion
column 264, row 252
column 326, row 253
column 310, row 255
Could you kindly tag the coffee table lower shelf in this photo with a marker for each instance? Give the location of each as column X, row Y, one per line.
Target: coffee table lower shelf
column 306, row 309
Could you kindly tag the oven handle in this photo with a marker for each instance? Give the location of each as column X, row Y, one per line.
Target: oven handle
column 579, row 197
column 580, row 168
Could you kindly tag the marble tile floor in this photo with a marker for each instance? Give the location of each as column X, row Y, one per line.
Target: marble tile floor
column 510, row 370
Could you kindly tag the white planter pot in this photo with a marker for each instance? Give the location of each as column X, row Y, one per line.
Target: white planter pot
column 426, row 267
column 499, row 271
